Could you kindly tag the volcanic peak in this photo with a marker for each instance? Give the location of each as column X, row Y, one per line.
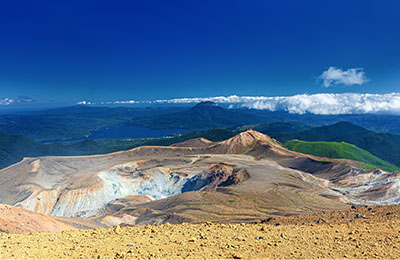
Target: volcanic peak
column 205, row 104
column 247, row 140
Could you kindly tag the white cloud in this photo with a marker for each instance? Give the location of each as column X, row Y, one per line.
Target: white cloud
column 84, row 102
column 6, row 101
column 22, row 99
column 324, row 103
column 126, row 102
column 220, row 99
column 329, row 104
column 335, row 76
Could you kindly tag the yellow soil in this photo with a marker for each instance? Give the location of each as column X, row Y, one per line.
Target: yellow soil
column 357, row 239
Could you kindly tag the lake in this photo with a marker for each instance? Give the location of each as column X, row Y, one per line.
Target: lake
column 124, row 131
column 128, row 131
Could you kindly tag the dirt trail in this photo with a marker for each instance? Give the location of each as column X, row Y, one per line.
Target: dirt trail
column 361, row 238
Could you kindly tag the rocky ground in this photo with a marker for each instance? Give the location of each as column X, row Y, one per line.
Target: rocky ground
column 359, row 232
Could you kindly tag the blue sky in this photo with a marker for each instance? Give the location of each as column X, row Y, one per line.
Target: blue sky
column 62, row 52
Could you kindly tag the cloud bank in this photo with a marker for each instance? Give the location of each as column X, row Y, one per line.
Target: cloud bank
column 8, row 101
column 337, row 76
column 332, row 104
column 323, row 104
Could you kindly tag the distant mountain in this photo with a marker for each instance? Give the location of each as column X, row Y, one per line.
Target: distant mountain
column 74, row 121
column 383, row 145
column 340, row 150
column 373, row 122
column 276, row 127
column 15, row 147
column 203, row 115
column 77, row 109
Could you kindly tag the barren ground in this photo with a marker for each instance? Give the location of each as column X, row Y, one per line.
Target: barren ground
column 365, row 232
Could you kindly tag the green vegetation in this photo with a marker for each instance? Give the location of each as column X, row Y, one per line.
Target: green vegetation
column 276, row 127
column 341, row 150
column 72, row 122
column 15, row 147
column 383, row 145
column 232, row 201
column 78, row 121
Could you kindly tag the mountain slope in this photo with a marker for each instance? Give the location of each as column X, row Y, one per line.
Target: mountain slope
column 171, row 177
column 247, row 177
column 203, row 115
column 17, row 220
column 339, row 150
column 73, row 122
column 276, row 127
column 383, row 145
column 15, row 147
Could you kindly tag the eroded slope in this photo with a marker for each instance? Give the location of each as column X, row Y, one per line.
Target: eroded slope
column 245, row 178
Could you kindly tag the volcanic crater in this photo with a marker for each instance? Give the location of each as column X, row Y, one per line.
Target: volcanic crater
column 245, row 178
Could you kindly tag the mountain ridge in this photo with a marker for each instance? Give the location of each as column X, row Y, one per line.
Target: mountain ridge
column 201, row 116
column 385, row 146
column 340, row 150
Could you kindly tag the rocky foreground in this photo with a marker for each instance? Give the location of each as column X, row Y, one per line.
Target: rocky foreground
column 364, row 232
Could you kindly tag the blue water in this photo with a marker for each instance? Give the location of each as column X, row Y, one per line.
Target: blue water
column 124, row 131
column 127, row 131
